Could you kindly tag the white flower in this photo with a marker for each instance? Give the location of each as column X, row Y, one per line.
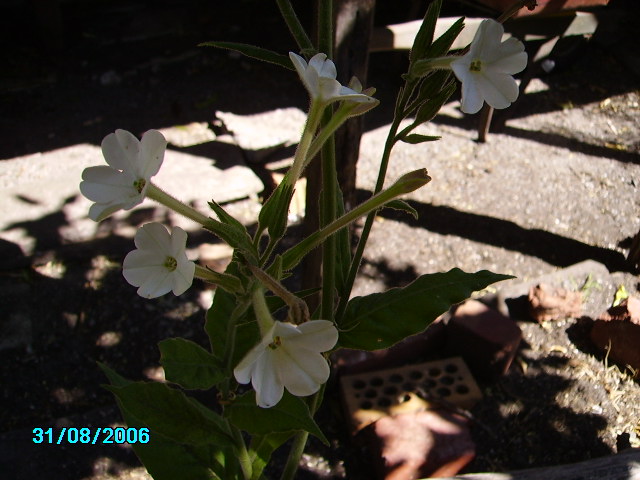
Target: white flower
column 160, row 263
column 486, row 70
column 319, row 76
column 123, row 183
column 288, row 356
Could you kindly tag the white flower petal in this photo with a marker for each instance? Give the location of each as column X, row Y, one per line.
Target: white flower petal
column 302, row 371
column 244, row 370
column 510, row 65
column 152, row 148
column 499, row 91
column 121, row 150
column 266, row 382
column 140, row 265
column 318, row 335
column 321, row 64
column 157, row 285
column 472, row 99
column 154, row 236
column 183, row 277
column 100, row 211
column 104, row 184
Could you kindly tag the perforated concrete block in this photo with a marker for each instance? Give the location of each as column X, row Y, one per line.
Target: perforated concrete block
column 373, row 395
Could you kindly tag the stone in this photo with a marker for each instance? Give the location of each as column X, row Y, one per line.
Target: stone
column 429, row 443
column 485, row 338
column 617, row 333
column 547, row 303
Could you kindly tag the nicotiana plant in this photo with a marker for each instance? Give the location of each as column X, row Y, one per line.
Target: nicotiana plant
column 267, row 361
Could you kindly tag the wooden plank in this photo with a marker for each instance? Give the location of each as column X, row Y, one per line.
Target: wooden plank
column 401, row 36
column 623, row 466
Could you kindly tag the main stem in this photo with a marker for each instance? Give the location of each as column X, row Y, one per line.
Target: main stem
column 325, row 44
column 368, row 224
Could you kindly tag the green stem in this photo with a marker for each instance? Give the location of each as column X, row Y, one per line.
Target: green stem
column 261, row 309
column 228, row 282
column 405, row 184
column 241, row 450
column 327, row 131
column 295, row 27
column 300, row 441
column 328, row 216
column 176, row 205
column 368, row 224
column 300, row 160
column 329, row 175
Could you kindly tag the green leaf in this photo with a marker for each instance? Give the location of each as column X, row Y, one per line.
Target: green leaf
column 231, row 231
column 415, row 138
column 262, row 447
column 382, row 319
column 274, row 215
column 172, row 414
column 431, row 107
column 424, row 37
column 189, row 365
column 290, row 414
column 441, row 46
column 164, row 459
column 403, row 206
column 252, row 51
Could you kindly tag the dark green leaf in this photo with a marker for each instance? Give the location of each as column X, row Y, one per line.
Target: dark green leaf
column 274, row 215
column 415, row 138
column 252, row 51
column 262, row 447
column 164, row 459
column 441, row 46
column 236, row 237
column 431, row 107
column 290, row 414
column 172, row 414
column 189, row 365
column 424, row 37
column 382, row 319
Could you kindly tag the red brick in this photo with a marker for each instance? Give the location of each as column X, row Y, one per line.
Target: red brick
column 485, row 338
column 432, row 443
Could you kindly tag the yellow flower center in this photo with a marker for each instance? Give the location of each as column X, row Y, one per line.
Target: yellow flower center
column 170, row 264
column 276, row 343
column 139, row 184
column 476, row 66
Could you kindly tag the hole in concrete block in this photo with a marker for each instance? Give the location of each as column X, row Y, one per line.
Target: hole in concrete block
column 443, row 392
column 359, row 384
column 376, row 381
column 390, row 390
column 451, row 368
column 447, row 380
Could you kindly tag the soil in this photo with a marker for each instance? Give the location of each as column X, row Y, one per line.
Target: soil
column 557, row 186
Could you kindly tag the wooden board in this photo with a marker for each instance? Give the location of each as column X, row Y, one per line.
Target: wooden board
column 623, row 466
